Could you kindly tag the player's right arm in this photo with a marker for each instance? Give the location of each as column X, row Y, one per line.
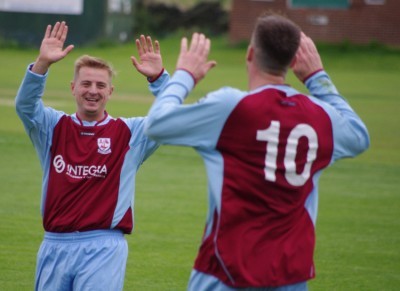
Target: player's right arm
column 37, row 119
column 171, row 122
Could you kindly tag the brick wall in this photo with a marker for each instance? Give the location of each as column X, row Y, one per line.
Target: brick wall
column 360, row 23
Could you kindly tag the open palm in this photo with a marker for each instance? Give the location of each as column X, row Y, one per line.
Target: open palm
column 52, row 47
column 150, row 61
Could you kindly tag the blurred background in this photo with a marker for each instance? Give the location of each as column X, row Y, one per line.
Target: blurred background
column 358, row 227
column 108, row 21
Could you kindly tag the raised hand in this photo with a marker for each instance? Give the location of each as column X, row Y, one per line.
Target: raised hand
column 150, row 61
column 307, row 59
column 52, row 47
column 194, row 60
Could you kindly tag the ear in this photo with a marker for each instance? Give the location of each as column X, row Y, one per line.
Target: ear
column 293, row 62
column 250, row 53
column 72, row 87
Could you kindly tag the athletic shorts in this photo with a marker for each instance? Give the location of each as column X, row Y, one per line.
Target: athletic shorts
column 82, row 261
column 201, row 281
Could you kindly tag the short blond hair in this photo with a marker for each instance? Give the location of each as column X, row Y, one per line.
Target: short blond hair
column 93, row 62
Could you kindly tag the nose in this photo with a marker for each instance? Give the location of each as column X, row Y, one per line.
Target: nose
column 93, row 89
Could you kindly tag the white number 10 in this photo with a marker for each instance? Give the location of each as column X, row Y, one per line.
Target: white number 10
column 271, row 136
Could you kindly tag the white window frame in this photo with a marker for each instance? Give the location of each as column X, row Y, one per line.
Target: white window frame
column 375, row 2
column 73, row 7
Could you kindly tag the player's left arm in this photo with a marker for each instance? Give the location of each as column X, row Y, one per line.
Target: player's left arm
column 351, row 134
column 149, row 63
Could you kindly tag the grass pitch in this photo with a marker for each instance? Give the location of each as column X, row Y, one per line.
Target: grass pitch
column 358, row 225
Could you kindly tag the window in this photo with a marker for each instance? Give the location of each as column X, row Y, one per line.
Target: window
column 74, row 7
column 327, row 4
column 375, row 2
column 319, row 20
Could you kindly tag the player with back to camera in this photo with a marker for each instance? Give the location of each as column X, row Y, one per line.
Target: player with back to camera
column 264, row 151
column 89, row 161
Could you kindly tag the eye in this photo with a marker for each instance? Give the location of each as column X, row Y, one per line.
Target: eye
column 85, row 84
column 101, row 85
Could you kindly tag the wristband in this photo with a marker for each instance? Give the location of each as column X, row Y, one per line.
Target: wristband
column 190, row 73
column 151, row 80
column 312, row 74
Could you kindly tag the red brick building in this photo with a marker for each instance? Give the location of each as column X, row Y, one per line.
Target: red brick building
column 332, row 21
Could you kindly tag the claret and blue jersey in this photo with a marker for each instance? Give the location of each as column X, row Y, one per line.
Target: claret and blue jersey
column 88, row 168
column 264, row 151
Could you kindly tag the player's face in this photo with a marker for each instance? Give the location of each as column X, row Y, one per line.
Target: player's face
column 92, row 88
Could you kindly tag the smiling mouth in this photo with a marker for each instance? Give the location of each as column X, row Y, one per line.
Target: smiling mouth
column 92, row 100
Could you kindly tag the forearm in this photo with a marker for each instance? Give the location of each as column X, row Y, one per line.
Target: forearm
column 28, row 99
column 157, row 86
column 346, row 119
column 322, row 87
column 40, row 66
column 163, row 113
column 175, row 90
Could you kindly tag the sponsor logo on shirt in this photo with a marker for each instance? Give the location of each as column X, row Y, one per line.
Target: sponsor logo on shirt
column 79, row 171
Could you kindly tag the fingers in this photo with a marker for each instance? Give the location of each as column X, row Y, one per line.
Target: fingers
column 183, row 45
column 48, row 31
column 149, row 44
column 68, row 49
column 194, row 42
column 207, row 46
column 59, row 31
column 209, row 65
column 145, row 45
column 55, row 30
column 199, row 44
column 139, row 47
column 193, row 59
column 307, row 60
column 135, row 62
column 62, row 34
column 306, row 44
column 157, row 45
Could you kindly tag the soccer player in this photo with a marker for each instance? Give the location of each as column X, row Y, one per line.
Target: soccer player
column 89, row 161
column 264, row 151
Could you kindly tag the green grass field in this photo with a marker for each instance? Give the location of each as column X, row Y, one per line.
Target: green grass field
column 358, row 228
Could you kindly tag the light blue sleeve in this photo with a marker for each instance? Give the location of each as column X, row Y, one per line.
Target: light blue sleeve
column 197, row 125
column 158, row 85
column 350, row 133
column 38, row 120
column 139, row 140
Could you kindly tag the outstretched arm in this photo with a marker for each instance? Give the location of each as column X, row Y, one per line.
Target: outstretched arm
column 150, row 60
column 192, row 124
column 52, row 47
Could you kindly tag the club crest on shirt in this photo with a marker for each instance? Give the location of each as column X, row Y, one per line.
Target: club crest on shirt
column 104, row 145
